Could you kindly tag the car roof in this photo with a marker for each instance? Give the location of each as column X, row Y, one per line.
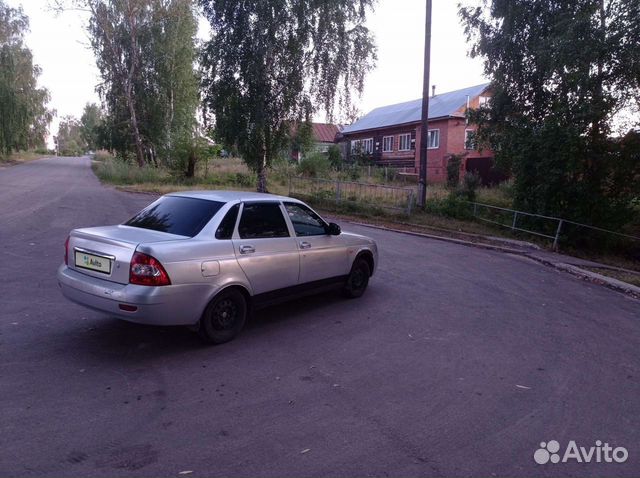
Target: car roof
column 227, row 196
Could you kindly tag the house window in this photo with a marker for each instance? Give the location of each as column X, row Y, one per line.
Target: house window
column 433, row 139
column 469, row 139
column 367, row 145
column 355, row 146
column 387, row 144
column 404, row 142
column 483, row 101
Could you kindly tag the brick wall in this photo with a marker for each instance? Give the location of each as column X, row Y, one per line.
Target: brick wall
column 452, row 141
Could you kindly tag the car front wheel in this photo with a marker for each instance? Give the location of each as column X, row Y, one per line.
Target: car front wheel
column 224, row 317
column 358, row 279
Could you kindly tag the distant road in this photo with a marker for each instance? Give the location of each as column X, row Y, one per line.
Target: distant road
column 457, row 361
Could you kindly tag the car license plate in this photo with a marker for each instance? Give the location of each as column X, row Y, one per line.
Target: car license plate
column 93, row 262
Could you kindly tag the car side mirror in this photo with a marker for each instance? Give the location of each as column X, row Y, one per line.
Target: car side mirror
column 334, row 229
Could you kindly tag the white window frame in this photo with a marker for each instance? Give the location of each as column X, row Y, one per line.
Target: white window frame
column 367, row 146
column 404, row 135
column 384, row 144
column 467, row 146
column 483, row 101
column 355, row 145
column 436, row 132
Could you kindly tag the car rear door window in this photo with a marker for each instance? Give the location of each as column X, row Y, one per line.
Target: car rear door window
column 262, row 220
column 176, row 215
column 228, row 223
column 305, row 221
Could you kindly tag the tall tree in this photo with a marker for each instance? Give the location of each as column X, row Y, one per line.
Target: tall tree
column 271, row 63
column 145, row 51
column 115, row 31
column 24, row 116
column 90, row 125
column 69, row 140
column 561, row 72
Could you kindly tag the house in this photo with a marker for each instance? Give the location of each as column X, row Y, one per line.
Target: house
column 390, row 135
column 323, row 136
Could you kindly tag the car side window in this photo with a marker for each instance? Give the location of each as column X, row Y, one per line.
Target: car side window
column 262, row 220
column 305, row 221
column 228, row 223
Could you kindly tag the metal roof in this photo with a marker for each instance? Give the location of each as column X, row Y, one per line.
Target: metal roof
column 324, row 132
column 441, row 105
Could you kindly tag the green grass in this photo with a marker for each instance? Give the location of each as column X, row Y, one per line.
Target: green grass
column 121, row 173
column 443, row 216
column 21, row 157
column 629, row 278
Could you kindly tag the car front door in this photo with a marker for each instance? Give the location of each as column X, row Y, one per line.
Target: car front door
column 322, row 256
column 265, row 250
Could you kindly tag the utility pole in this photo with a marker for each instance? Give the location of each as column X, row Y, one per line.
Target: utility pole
column 424, row 131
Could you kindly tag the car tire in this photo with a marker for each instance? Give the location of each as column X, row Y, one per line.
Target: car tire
column 358, row 279
column 224, row 317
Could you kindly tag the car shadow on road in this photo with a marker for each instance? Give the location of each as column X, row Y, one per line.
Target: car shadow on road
column 114, row 340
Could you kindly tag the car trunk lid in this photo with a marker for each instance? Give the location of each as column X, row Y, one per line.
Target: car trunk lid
column 106, row 252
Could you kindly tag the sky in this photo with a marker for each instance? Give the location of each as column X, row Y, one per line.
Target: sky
column 61, row 47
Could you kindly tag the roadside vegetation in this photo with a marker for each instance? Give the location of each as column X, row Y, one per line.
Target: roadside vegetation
column 25, row 156
column 24, row 114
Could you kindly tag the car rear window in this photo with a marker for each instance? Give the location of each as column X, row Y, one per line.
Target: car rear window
column 176, row 215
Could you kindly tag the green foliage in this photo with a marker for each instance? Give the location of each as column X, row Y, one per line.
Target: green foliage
column 24, row 116
column 90, row 126
column 69, row 140
column 314, row 165
column 560, row 71
column 102, row 155
column 334, row 155
column 117, row 171
column 453, row 170
column 452, row 206
column 301, row 140
column 471, row 182
column 145, row 51
column 269, row 62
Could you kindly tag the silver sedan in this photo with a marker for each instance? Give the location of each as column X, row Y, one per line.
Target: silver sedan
column 205, row 258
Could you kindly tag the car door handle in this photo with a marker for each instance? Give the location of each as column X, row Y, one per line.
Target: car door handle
column 247, row 249
column 305, row 245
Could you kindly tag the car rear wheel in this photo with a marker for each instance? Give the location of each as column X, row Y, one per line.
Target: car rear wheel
column 224, row 317
column 358, row 279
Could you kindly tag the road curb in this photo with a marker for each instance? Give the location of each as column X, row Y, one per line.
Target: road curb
column 593, row 277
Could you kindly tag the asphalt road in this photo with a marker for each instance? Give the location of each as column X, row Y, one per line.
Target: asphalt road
column 457, row 361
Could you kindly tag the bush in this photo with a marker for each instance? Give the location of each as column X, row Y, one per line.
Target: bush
column 385, row 175
column 102, row 155
column 470, row 184
column 282, row 169
column 334, row 156
column 314, row 165
column 116, row 171
column 451, row 206
column 453, row 170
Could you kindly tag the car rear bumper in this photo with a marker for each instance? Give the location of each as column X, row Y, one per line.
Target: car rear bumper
column 166, row 305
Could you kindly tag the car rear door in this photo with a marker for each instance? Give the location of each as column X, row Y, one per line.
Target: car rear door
column 322, row 256
column 265, row 250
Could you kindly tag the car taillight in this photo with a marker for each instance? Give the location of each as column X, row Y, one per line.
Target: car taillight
column 147, row 270
column 66, row 251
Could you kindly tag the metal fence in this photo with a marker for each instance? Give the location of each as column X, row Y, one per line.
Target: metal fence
column 552, row 228
column 402, row 199
column 336, row 191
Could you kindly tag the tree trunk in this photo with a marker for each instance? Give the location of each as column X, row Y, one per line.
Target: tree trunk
column 262, row 174
column 135, row 131
column 191, row 164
